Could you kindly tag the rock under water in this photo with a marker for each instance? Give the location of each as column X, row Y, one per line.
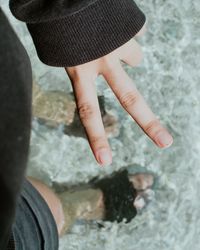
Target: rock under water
column 169, row 80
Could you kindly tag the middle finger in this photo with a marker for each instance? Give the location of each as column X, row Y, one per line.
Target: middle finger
column 134, row 103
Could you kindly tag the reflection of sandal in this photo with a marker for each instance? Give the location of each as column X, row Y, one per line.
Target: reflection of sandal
column 112, row 198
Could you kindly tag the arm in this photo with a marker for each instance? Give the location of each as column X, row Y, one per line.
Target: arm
column 73, row 32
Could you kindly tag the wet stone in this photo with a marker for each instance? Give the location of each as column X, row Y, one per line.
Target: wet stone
column 53, row 108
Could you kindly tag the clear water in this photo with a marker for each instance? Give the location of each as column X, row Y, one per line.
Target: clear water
column 169, row 80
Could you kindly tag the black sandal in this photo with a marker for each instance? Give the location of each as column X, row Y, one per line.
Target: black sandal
column 119, row 196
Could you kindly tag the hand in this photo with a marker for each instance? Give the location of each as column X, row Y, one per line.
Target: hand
column 83, row 77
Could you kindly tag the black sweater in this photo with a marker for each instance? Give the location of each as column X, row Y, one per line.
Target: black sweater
column 65, row 33
column 72, row 32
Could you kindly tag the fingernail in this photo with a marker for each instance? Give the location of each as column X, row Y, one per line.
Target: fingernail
column 164, row 139
column 104, row 157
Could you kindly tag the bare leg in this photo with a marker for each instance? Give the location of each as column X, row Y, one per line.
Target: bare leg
column 82, row 204
column 52, row 201
column 86, row 204
column 69, row 206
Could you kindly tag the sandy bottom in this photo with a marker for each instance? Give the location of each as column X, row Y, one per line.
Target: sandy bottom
column 169, row 80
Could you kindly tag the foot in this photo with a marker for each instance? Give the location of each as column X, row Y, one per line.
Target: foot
column 88, row 204
column 142, row 183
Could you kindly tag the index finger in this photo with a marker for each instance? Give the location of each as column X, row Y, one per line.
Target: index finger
column 90, row 115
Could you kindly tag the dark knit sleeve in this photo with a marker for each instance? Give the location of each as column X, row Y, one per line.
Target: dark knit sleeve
column 73, row 32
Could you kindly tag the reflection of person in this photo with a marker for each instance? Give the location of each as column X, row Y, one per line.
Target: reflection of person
column 88, row 38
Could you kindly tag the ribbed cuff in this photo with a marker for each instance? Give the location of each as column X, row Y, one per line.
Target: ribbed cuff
column 86, row 35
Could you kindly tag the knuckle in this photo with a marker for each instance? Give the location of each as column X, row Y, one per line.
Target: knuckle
column 129, row 99
column 85, row 111
column 153, row 127
column 98, row 140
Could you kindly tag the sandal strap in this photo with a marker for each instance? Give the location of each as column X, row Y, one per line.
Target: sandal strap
column 119, row 196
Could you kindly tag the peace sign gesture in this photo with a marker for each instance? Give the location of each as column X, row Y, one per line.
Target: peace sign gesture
column 83, row 77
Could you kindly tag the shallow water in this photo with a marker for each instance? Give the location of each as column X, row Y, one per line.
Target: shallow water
column 169, row 80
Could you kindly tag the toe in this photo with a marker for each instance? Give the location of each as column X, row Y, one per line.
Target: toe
column 139, row 203
column 142, row 181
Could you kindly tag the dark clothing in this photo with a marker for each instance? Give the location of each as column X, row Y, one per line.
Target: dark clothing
column 15, row 115
column 72, row 32
column 34, row 227
column 65, row 33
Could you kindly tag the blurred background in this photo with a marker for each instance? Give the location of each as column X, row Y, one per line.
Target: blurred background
column 169, row 80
